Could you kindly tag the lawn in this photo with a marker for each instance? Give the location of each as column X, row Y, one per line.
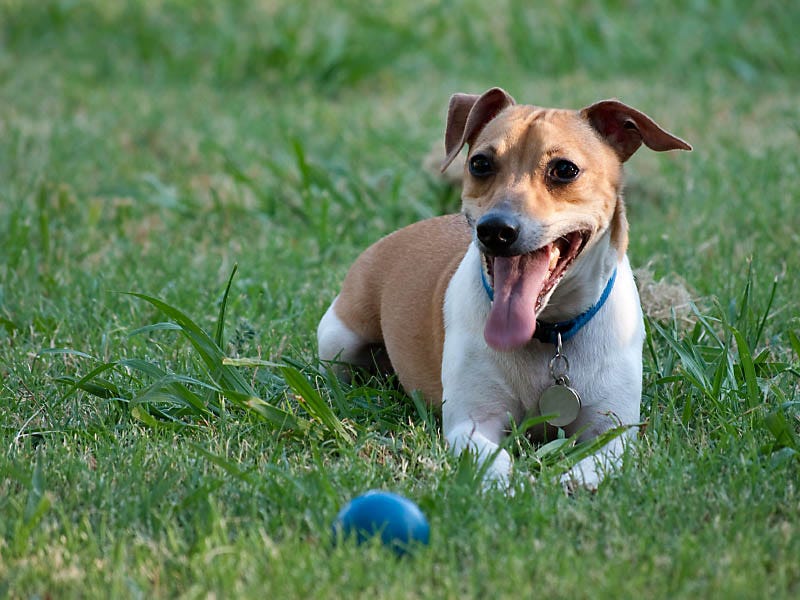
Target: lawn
column 183, row 186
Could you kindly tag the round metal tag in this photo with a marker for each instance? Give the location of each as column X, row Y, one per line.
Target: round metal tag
column 562, row 401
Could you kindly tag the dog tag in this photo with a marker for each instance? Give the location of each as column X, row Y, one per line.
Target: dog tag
column 562, row 401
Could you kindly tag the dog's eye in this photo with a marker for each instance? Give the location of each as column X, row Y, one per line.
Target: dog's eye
column 481, row 166
column 564, row 171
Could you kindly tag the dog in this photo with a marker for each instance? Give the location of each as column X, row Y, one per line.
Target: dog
column 524, row 304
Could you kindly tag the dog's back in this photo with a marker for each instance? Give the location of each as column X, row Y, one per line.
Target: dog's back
column 380, row 304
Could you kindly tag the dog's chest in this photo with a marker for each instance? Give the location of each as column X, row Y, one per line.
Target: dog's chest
column 525, row 373
column 603, row 358
column 531, row 373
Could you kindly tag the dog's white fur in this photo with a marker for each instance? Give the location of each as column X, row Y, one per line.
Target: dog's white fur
column 485, row 389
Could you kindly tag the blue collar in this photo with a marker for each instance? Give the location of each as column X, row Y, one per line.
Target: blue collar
column 548, row 332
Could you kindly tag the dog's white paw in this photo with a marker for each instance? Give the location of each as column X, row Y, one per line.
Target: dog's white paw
column 494, row 462
column 498, row 471
column 585, row 475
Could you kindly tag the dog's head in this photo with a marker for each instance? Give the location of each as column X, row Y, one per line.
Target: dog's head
column 540, row 188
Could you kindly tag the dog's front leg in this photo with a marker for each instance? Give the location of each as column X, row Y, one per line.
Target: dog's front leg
column 589, row 471
column 483, row 439
column 613, row 402
column 476, row 412
column 477, row 401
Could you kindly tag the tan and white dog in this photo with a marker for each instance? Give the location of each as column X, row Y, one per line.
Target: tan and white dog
column 469, row 308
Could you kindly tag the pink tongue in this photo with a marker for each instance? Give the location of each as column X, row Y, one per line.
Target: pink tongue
column 518, row 281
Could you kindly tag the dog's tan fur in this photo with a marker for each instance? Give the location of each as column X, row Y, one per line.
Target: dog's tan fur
column 424, row 256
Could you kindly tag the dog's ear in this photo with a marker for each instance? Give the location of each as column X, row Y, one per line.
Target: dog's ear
column 625, row 128
column 466, row 117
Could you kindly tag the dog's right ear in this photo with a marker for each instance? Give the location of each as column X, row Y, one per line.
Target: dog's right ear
column 626, row 128
column 467, row 115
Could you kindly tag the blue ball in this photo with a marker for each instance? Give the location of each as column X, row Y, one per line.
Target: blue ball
column 397, row 520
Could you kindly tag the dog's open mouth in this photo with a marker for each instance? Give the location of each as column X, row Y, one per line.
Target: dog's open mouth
column 520, row 285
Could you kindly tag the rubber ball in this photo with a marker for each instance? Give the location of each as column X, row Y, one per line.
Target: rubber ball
column 397, row 520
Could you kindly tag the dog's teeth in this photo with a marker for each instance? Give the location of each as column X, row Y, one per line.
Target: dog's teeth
column 555, row 254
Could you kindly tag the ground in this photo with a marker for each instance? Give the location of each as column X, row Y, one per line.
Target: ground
column 149, row 146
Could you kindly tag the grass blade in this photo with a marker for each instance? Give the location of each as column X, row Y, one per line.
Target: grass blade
column 314, row 403
column 753, row 396
column 66, row 351
column 154, row 327
column 87, row 384
column 762, row 323
column 280, row 419
column 777, row 424
column 228, row 466
column 220, row 331
column 249, row 362
column 208, row 350
column 794, row 341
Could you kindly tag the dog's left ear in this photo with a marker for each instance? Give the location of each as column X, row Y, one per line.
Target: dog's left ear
column 467, row 115
column 625, row 128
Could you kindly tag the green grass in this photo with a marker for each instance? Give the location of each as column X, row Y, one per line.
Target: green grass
column 164, row 431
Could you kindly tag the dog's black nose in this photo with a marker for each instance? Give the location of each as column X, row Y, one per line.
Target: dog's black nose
column 498, row 232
